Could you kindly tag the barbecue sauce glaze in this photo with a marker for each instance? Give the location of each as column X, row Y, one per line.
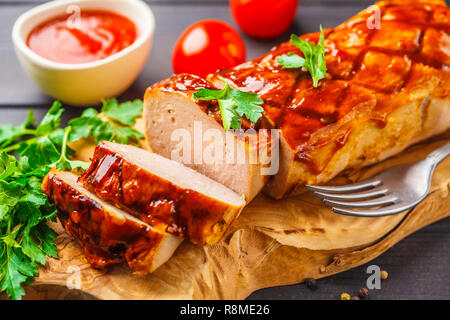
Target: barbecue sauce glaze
column 370, row 73
column 160, row 203
column 106, row 240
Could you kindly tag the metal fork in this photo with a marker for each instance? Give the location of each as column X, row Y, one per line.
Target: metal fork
column 392, row 191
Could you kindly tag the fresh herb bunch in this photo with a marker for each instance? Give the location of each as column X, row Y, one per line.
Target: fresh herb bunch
column 25, row 237
column 233, row 104
column 93, row 124
column 314, row 60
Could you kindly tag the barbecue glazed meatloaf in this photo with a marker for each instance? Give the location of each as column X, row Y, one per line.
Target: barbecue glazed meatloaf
column 161, row 192
column 169, row 108
column 108, row 235
column 386, row 88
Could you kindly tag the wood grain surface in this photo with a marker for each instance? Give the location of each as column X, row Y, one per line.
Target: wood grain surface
column 418, row 265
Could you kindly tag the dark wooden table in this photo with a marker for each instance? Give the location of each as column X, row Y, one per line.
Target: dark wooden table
column 418, row 266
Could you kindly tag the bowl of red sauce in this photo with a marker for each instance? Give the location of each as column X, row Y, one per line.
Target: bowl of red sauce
column 83, row 51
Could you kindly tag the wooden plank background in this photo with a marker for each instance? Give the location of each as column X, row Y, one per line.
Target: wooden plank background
column 418, row 266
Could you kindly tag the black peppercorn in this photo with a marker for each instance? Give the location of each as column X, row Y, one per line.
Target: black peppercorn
column 311, row 283
column 363, row 293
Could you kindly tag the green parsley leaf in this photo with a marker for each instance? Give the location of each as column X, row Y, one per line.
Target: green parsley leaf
column 13, row 270
column 230, row 118
column 233, row 105
column 90, row 124
column 7, row 165
column 247, row 104
column 9, row 193
column 111, row 132
column 29, row 209
column 25, row 237
column 208, row 94
column 42, row 150
column 51, row 120
column 63, row 162
column 291, row 61
column 31, row 248
column 9, row 134
column 125, row 113
column 46, row 237
column 314, row 60
column 84, row 126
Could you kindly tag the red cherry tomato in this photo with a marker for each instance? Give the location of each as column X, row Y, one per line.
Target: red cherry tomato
column 207, row 46
column 263, row 18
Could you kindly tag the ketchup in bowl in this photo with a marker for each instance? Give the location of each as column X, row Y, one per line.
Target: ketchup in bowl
column 92, row 36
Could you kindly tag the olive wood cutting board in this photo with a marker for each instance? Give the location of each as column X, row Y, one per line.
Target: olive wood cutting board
column 272, row 243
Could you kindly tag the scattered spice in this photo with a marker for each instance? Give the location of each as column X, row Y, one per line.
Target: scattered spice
column 354, row 298
column 311, row 283
column 384, row 274
column 345, row 296
column 363, row 293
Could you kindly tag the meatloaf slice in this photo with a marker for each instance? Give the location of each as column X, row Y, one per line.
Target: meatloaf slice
column 162, row 192
column 188, row 131
column 107, row 234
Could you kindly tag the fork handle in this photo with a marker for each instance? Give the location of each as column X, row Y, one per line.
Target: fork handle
column 440, row 154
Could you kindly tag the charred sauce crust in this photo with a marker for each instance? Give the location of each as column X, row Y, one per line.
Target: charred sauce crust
column 106, row 240
column 158, row 202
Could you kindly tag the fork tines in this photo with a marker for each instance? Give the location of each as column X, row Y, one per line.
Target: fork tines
column 357, row 196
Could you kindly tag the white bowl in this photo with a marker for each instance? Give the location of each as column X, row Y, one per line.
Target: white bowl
column 86, row 83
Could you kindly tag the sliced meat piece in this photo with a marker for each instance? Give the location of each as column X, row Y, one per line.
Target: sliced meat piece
column 162, row 192
column 107, row 234
column 181, row 129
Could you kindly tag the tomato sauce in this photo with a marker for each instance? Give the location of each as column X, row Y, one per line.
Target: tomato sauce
column 92, row 36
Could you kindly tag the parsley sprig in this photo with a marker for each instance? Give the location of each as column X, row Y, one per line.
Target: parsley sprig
column 25, row 237
column 233, row 105
column 314, row 60
column 91, row 123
